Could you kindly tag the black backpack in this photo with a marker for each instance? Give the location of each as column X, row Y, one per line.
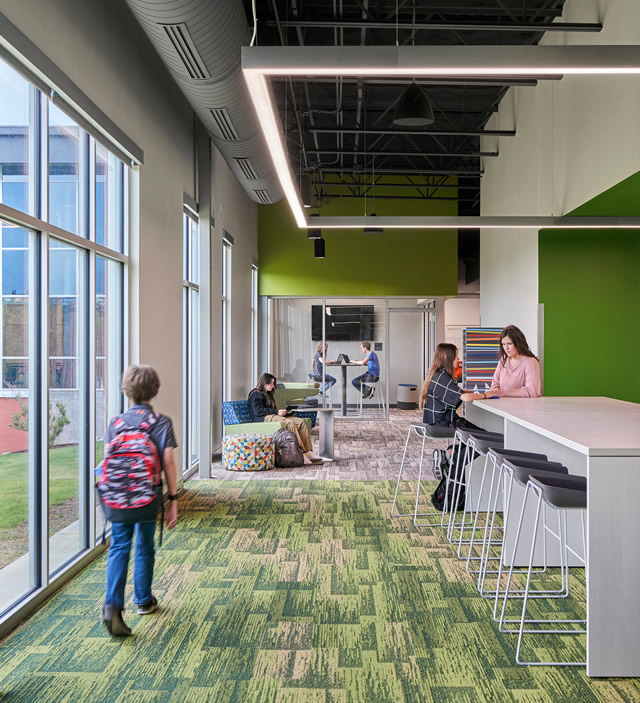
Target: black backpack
column 288, row 452
column 442, row 498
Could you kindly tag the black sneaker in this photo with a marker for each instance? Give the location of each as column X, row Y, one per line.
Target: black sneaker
column 112, row 620
column 372, row 393
column 440, row 463
column 148, row 608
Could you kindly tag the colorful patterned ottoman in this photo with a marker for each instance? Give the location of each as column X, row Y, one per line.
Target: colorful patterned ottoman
column 248, row 452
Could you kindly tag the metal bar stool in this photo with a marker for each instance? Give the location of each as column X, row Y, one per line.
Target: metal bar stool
column 562, row 493
column 458, row 478
column 425, row 432
column 477, row 443
column 509, row 467
column 494, row 458
column 521, row 473
column 378, row 389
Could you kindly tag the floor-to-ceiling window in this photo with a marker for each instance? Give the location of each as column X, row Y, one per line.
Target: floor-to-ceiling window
column 63, row 200
column 227, row 248
column 254, row 325
column 191, row 343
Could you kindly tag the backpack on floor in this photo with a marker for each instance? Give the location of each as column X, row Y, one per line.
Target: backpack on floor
column 288, row 451
column 442, row 498
column 128, row 479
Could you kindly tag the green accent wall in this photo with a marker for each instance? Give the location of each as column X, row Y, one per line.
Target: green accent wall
column 395, row 263
column 589, row 282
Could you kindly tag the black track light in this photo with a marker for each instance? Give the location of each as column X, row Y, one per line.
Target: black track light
column 413, row 109
column 374, row 229
column 314, row 232
column 318, row 248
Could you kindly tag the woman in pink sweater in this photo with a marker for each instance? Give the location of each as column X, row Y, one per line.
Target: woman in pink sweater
column 518, row 372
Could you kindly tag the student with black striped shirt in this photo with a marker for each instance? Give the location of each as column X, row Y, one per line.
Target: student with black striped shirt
column 441, row 395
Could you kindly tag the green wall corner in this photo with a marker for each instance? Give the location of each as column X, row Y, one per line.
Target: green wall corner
column 589, row 283
column 395, row 263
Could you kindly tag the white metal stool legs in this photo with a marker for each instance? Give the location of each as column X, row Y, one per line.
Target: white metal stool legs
column 379, row 394
column 537, row 488
column 420, row 432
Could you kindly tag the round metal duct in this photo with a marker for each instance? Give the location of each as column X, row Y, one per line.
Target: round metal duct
column 199, row 42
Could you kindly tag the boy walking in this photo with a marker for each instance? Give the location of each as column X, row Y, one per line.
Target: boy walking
column 136, row 427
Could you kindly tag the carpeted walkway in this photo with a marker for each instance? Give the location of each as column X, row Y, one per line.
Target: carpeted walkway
column 283, row 591
column 365, row 450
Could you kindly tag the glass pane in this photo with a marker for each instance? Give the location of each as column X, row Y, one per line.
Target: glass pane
column 15, row 373
column 17, row 575
column 102, row 156
column 108, row 357
column 62, row 326
column 64, row 170
column 194, row 378
column 14, row 272
column 14, row 138
column 15, row 327
column 62, row 269
column 195, row 252
column 66, row 416
column 13, row 236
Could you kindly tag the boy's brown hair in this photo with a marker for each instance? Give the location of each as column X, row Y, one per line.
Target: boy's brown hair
column 140, row 383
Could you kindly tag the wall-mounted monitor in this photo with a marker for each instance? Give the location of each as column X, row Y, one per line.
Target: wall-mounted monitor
column 343, row 323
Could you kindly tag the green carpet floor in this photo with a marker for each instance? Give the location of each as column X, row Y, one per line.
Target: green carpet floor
column 283, row 591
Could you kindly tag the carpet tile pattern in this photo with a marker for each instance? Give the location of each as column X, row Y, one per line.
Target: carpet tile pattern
column 365, row 450
column 292, row 592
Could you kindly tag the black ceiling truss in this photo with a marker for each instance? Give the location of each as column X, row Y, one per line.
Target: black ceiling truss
column 340, row 131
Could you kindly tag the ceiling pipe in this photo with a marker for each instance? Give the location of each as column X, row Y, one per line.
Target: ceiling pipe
column 199, row 42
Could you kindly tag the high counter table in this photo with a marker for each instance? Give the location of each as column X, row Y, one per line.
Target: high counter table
column 598, row 438
column 343, row 368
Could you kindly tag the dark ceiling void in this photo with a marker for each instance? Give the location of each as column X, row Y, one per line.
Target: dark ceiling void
column 342, row 128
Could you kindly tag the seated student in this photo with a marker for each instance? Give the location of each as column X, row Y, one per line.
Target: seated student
column 518, row 371
column 441, row 395
column 373, row 371
column 262, row 408
column 316, row 370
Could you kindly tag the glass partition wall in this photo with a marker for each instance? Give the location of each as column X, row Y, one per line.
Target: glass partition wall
column 321, row 340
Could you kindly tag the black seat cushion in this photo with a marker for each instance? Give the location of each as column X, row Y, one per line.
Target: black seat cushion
column 435, row 431
column 484, row 443
column 515, row 453
column 530, row 465
column 565, row 492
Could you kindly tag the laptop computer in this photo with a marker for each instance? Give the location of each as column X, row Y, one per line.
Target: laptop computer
column 343, row 359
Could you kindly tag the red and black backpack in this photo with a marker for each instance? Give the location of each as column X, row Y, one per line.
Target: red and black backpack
column 129, row 479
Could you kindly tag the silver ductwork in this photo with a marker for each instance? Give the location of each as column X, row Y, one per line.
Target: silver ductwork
column 199, row 42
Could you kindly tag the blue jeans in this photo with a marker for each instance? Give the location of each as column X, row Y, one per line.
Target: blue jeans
column 328, row 380
column 118, row 562
column 359, row 382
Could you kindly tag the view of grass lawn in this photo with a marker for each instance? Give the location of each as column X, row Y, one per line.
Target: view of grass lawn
column 14, row 497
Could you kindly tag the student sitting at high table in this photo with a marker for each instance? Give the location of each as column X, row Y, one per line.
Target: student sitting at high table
column 316, row 371
column 441, row 395
column 373, row 371
column 518, row 371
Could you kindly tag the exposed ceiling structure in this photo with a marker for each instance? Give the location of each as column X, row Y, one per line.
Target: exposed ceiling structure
column 341, row 128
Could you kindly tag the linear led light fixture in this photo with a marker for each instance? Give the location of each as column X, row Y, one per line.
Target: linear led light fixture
column 258, row 63
column 491, row 222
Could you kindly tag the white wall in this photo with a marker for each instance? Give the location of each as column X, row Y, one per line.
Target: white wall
column 574, row 139
column 236, row 214
column 458, row 314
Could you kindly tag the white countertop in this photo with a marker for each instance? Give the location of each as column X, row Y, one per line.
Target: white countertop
column 592, row 426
